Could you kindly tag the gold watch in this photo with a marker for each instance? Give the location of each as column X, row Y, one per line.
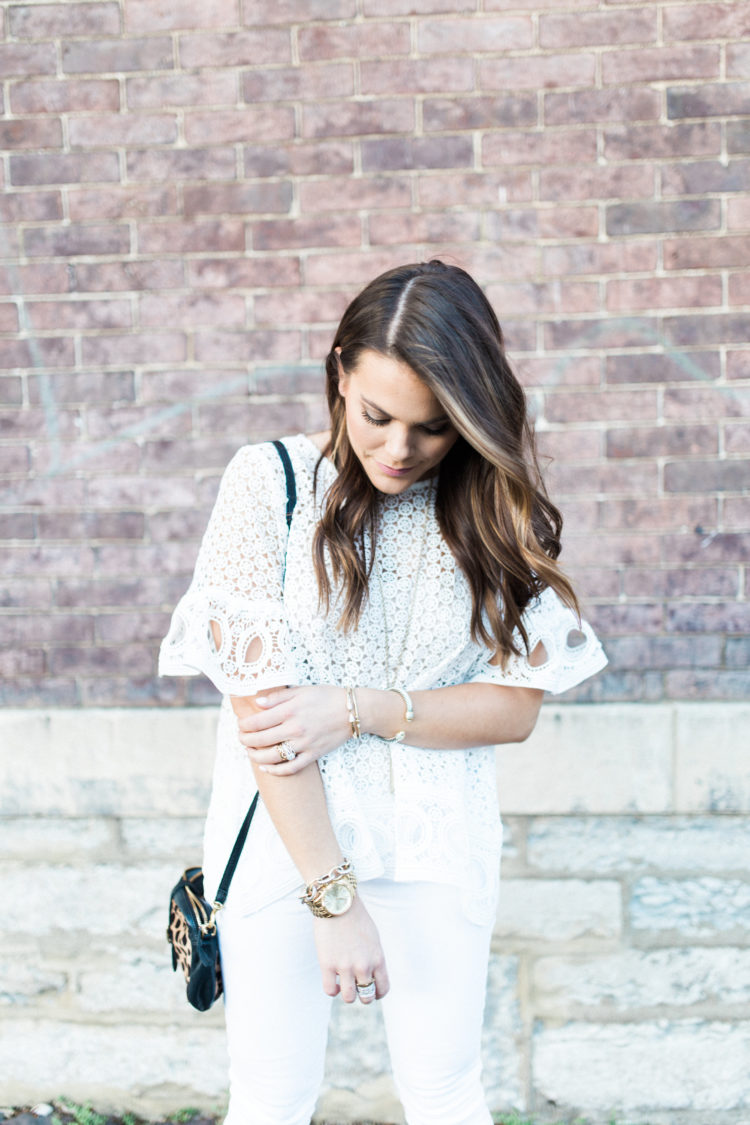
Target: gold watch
column 332, row 894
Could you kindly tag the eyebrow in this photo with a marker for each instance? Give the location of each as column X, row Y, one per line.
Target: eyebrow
column 429, row 422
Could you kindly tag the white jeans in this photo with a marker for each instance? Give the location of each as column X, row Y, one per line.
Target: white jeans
column 277, row 1013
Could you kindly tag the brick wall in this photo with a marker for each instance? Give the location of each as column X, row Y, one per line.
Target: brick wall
column 191, row 192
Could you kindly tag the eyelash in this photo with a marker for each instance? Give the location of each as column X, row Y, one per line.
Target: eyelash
column 384, row 422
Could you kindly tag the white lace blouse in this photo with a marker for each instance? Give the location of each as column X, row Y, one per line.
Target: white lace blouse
column 397, row 811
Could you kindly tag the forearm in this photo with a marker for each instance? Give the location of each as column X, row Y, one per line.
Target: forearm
column 453, row 718
column 297, row 806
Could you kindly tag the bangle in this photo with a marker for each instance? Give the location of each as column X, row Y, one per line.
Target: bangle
column 353, row 713
column 408, row 713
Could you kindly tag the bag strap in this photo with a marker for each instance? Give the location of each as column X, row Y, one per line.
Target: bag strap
column 239, row 843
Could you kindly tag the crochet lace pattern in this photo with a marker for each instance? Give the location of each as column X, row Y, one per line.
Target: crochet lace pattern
column 397, row 811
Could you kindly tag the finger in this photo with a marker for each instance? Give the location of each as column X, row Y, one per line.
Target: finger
column 284, row 769
column 382, row 983
column 362, row 983
column 348, row 987
column 264, row 739
column 330, row 983
column 262, row 721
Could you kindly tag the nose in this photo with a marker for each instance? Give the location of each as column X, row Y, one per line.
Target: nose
column 398, row 443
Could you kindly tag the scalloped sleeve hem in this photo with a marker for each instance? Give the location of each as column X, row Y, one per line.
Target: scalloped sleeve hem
column 573, row 651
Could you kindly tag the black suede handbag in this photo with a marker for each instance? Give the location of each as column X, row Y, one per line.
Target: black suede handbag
column 191, row 930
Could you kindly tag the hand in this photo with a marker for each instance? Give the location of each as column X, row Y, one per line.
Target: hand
column 349, row 952
column 313, row 718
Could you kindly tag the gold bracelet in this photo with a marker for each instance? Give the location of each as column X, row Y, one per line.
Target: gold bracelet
column 353, row 713
column 408, row 713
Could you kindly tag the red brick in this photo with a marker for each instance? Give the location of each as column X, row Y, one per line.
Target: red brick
column 535, row 298
column 353, row 268
column 328, row 158
column 53, row 96
column 116, row 350
column 418, row 76
column 738, row 364
column 109, row 129
column 76, row 240
column 600, row 406
column 595, row 333
column 659, row 217
column 243, row 273
column 738, row 60
column 475, row 189
column 541, row 147
column 386, row 115
column 568, row 222
column 30, row 206
column 236, row 48
column 667, row 513
column 25, row 61
column 594, row 182
column 181, row 164
column 537, row 72
column 251, row 421
column 199, row 236
column 122, row 203
column 9, row 318
column 477, row 112
column 48, row 560
column 643, row 142
column 143, row 16
column 68, row 168
column 665, row 652
column 706, row 21
column 720, row 99
column 160, row 92
column 11, row 390
column 298, row 11
column 129, row 628
column 417, row 152
column 478, row 35
column 597, row 29
column 702, row 582
column 126, row 276
column 48, row 628
column 113, row 56
column 705, row 476
column 628, row 105
column 66, row 458
column 261, row 123
column 659, row 64
column 168, row 457
column 53, row 316
column 737, row 440
column 705, row 253
column 128, row 660
column 739, row 289
column 695, row 330
column 17, row 525
column 307, row 83
column 738, row 136
column 703, row 545
column 355, row 41
column 28, row 133
column 705, row 176
column 433, row 227
column 223, row 309
column 618, row 550
column 237, row 198
column 709, row 617
column 129, row 420
column 381, row 8
column 31, row 593
column 144, row 691
column 357, row 193
column 51, row 351
column 177, row 526
column 287, row 234
column 716, row 683
column 119, row 492
column 243, row 348
column 571, row 444
column 83, row 387
column 52, row 277
column 671, row 367
column 736, row 515
column 559, row 371
column 662, row 441
column 664, row 293
column 55, row 21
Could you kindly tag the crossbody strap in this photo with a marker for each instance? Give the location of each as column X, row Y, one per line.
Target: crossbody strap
column 239, row 843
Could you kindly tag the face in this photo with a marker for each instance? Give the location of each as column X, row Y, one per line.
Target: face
column 396, row 426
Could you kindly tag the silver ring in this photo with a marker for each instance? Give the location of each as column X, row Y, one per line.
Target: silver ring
column 366, row 991
column 287, row 753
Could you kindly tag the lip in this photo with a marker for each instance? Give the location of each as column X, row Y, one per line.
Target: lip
column 390, row 472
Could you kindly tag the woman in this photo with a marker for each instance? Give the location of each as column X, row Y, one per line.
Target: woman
column 412, row 618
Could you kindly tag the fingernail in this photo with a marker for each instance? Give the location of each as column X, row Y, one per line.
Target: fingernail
column 262, row 701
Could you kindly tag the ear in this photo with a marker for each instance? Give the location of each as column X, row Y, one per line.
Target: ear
column 343, row 377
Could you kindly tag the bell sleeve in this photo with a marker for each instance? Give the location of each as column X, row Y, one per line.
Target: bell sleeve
column 572, row 651
column 230, row 624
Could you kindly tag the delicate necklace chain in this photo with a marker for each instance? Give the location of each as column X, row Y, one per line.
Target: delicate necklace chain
column 391, row 679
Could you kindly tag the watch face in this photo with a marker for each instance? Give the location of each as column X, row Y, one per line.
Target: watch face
column 337, row 898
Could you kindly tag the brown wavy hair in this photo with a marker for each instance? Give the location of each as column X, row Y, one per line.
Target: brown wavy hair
column 491, row 504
